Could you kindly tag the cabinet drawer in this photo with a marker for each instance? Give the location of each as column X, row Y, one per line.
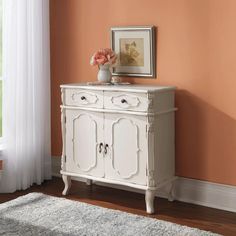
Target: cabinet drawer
column 126, row 101
column 78, row 97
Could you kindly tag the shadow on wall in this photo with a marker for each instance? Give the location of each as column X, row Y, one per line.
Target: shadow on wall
column 205, row 141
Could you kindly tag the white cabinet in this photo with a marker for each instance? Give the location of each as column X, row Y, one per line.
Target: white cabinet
column 120, row 135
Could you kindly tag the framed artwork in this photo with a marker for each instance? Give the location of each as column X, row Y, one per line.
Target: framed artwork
column 135, row 47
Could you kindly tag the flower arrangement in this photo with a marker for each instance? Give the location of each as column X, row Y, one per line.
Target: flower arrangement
column 104, row 56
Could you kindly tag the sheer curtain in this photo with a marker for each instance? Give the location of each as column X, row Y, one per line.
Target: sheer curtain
column 26, row 94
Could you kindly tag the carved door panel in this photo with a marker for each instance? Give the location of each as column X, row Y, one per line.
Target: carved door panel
column 127, row 150
column 84, row 133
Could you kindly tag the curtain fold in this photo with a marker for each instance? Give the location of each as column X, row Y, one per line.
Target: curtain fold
column 26, row 94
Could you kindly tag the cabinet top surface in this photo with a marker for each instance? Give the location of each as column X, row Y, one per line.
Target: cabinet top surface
column 128, row 88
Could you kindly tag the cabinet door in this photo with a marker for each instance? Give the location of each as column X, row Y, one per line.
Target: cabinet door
column 84, row 133
column 126, row 156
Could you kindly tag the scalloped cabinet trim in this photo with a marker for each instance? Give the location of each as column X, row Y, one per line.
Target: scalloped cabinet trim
column 126, row 101
column 129, row 101
column 127, row 148
column 89, row 98
column 134, row 168
column 84, row 98
column 79, row 143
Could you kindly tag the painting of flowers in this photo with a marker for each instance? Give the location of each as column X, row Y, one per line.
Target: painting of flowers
column 135, row 47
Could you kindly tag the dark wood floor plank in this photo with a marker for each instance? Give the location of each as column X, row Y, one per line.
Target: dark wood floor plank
column 205, row 218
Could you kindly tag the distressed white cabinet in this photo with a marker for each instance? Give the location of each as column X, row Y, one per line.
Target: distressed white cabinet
column 120, row 135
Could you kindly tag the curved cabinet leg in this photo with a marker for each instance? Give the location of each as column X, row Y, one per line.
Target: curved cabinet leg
column 89, row 182
column 67, row 182
column 149, row 198
column 171, row 192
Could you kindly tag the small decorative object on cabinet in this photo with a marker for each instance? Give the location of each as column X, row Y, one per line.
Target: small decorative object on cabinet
column 104, row 59
column 119, row 135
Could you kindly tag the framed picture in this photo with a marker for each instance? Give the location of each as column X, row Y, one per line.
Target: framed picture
column 135, row 47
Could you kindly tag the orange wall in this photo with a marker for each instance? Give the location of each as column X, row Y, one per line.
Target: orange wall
column 196, row 52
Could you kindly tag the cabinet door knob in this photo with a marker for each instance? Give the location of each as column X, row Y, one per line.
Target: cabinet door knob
column 105, row 150
column 123, row 101
column 83, row 98
column 100, row 147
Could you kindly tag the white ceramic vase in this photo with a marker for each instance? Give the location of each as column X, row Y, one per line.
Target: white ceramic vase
column 104, row 74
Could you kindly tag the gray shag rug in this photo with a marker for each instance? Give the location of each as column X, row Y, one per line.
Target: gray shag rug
column 39, row 214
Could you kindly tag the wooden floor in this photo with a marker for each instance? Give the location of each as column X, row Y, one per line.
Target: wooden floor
column 217, row 221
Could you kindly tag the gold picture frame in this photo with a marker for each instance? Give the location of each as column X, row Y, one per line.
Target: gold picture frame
column 136, row 50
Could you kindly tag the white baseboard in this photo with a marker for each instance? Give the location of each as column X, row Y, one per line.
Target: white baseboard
column 194, row 191
column 206, row 193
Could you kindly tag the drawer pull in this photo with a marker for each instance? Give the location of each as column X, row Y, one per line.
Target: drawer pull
column 83, row 98
column 105, row 150
column 100, row 147
column 123, row 101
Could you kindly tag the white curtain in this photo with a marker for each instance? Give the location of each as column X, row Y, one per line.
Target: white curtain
column 26, row 94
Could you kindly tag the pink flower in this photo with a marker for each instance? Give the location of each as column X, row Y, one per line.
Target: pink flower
column 104, row 56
